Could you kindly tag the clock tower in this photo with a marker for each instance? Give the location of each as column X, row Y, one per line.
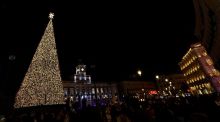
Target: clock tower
column 80, row 76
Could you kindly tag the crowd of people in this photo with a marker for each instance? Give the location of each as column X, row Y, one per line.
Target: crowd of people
column 204, row 108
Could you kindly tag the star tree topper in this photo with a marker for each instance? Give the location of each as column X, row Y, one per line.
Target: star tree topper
column 51, row 15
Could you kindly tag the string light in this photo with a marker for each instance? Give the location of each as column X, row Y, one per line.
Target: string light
column 42, row 83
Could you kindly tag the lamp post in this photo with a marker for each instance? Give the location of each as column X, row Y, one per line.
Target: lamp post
column 138, row 75
column 139, row 72
column 158, row 84
column 157, row 77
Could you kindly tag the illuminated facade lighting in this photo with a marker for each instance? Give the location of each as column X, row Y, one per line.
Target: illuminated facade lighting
column 198, row 68
column 82, row 88
column 81, row 76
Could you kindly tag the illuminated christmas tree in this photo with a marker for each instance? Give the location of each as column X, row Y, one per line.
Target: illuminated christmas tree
column 42, row 83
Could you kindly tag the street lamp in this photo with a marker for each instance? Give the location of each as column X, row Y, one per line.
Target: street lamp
column 157, row 76
column 139, row 72
column 157, row 82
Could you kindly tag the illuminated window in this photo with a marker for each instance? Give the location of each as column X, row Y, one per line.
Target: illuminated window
column 71, row 91
column 209, row 61
column 200, row 92
column 93, row 90
column 97, row 90
column 215, row 72
column 101, row 90
column 76, row 91
column 71, row 98
column 194, row 57
column 204, row 54
column 65, row 91
column 205, row 91
column 76, row 98
column 208, row 85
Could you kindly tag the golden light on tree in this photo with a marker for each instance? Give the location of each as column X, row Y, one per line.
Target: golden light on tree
column 42, row 83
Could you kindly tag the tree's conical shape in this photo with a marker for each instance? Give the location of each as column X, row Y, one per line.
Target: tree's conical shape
column 42, row 83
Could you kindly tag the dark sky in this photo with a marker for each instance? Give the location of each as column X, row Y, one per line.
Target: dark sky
column 116, row 38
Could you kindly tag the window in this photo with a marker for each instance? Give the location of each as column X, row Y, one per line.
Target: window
column 101, row 90
column 209, row 61
column 71, row 91
column 93, row 90
column 97, row 90
column 66, row 91
column 204, row 54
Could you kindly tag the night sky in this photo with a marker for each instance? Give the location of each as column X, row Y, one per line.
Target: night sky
column 113, row 39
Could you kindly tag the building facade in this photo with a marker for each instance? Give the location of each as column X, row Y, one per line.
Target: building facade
column 199, row 71
column 83, row 89
column 207, row 27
